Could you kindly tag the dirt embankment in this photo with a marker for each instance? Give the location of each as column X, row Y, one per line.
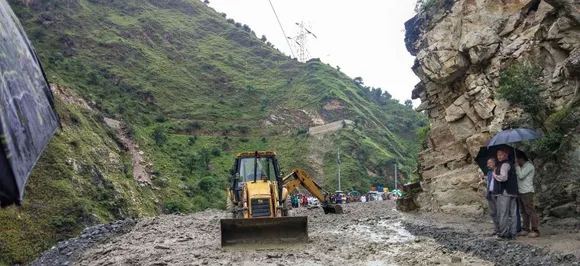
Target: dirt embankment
column 371, row 233
column 138, row 162
column 330, row 127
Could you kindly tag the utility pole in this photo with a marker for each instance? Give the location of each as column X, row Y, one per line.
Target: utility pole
column 396, row 176
column 339, row 185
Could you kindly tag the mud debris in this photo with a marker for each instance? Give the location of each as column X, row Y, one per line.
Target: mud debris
column 371, row 233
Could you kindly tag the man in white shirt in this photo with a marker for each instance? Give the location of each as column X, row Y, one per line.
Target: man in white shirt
column 525, row 172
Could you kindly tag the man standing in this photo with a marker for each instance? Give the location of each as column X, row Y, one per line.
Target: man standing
column 525, row 172
column 505, row 175
column 490, row 194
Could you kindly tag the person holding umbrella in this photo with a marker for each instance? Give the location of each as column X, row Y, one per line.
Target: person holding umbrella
column 487, row 162
column 525, row 172
column 507, row 194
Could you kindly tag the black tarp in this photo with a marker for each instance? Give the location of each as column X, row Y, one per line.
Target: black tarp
column 27, row 117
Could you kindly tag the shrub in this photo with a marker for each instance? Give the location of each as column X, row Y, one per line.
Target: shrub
column 215, row 152
column 556, row 118
column 546, row 146
column 191, row 140
column 129, row 130
column 191, row 163
column 423, row 134
column 302, row 131
column 160, row 119
column 193, row 126
column 174, row 206
column 244, row 129
column 159, row 136
column 207, row 183
column 205, row 157
column 519, row 85
column 161, row 182
column 63, row 224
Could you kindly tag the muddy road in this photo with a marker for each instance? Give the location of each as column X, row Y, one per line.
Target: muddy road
column 370, row 233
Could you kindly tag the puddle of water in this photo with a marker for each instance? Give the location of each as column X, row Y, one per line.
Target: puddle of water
column 379, row 263
column 385, row 231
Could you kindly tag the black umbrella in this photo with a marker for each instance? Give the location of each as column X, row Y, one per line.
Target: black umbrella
column 490, row 152
column 27, row 117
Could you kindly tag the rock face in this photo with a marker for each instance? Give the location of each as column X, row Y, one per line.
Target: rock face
column 460, row 47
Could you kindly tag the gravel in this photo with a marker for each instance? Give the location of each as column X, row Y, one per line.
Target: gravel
column 67, row 251
column 490, row 249
column 371, row 233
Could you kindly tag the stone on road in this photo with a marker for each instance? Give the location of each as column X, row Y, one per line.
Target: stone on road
column 369, row 233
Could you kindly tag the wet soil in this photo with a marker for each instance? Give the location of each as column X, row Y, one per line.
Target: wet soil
column 371, row 233
column 367, row 234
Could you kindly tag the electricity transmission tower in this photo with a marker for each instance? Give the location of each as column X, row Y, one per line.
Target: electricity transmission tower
column 301, row 41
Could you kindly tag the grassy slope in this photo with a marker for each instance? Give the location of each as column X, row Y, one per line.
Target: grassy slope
column 209, row 85
column 80, row 180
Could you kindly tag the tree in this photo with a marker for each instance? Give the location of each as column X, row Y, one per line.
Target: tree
column 246, row 28
column 224, row 15
column 408, row 103
column 264, row 39
column 387, row 95
column 206, row 2
column 359, row 81
column 159, row 136
column 338, row 68
column 205, row 156
column 376, row 92
column 191, row 163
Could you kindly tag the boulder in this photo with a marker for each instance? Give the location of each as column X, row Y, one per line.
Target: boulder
column 462, row 129
column 454, row 113
column 568, row 210
column 440, row 136
column 477, row 141
column 484, row 109
column 443, row 66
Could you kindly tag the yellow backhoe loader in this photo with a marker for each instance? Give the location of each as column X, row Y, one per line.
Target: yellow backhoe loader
column 256, row 201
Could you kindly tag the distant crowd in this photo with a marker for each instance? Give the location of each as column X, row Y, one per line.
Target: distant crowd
column 301, row 200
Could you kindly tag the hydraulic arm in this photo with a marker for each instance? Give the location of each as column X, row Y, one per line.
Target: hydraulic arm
column 299, row 177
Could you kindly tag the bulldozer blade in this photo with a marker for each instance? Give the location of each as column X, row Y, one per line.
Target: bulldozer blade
column 264, row 230
column 332, row 209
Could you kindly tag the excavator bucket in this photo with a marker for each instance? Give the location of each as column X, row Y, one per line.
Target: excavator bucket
column 254, row 231
column 337, row 209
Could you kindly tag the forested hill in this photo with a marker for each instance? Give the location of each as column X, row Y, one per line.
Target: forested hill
column 190, row 88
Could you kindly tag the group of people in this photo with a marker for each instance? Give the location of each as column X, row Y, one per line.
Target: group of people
column 300, row 200
column 510, row 190
column 378, row 197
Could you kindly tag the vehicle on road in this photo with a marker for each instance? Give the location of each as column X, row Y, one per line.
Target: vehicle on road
column 257, row 201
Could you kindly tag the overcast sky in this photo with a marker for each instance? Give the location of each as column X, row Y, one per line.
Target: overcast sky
column 364, row 37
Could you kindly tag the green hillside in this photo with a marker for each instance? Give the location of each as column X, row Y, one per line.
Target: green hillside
column 194, row 88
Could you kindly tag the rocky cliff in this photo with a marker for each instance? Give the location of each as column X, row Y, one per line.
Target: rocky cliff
column 464, row 50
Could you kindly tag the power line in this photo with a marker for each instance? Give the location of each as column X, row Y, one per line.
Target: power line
column 282, row 28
